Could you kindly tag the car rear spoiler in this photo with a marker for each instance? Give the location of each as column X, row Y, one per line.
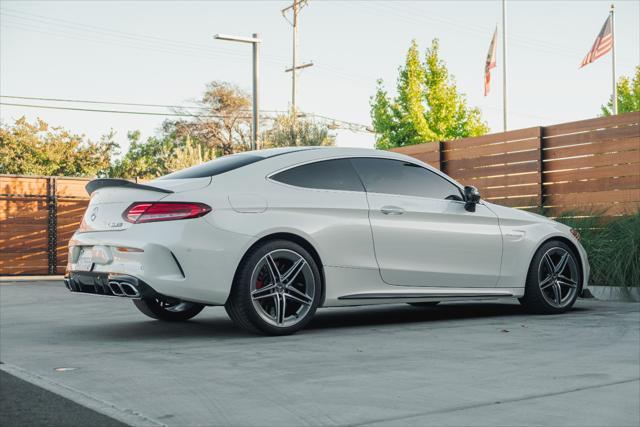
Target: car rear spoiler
column 97, row 184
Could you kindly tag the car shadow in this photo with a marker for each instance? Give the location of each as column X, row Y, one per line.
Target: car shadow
column 330, row 319
column 405, row 314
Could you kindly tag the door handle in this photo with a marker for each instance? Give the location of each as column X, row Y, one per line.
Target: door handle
column 391, row 210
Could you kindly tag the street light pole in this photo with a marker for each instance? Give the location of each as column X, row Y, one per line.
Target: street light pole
column 256, row 111
column 255, row 41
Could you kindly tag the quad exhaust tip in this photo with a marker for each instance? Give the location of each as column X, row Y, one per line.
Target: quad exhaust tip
column 123, row 289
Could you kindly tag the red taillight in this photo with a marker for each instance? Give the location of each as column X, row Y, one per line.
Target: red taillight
column 140, row 212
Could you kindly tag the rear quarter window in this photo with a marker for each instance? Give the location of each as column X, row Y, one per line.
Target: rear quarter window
column 335, row 174
column 215, row 167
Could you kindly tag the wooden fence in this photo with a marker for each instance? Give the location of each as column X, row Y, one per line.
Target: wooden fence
column 38, row 216
column 591, row 165
column 587, row 165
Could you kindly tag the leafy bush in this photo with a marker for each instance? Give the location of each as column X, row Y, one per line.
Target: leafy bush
column 613, row 246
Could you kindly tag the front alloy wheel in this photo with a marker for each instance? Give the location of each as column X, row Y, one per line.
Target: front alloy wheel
column 277, row 289
column 554, row 279
column 558, row 277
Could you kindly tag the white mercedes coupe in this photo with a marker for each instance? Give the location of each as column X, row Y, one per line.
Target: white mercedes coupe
column 274, row 234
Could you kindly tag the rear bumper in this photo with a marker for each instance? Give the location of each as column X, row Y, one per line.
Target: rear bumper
column 188, row 260
column 108, row 284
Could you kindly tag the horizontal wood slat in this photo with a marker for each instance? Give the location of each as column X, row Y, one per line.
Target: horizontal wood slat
column 495, row 170
column 517, row 202
column 589, row 124
column 593, row 136
column 593, row 161
column 606, row 146
column 593, row 173
column 499, row 159
column 603, row 184
column 529, row 189
column 514, row 135
column 72, row 188
column 486, row 150
column 494, row 181
column 23, row 186
column 594, row 197
column 599, row 209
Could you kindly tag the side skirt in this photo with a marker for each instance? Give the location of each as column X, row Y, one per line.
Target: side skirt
column 395, row 297
column 430, row 295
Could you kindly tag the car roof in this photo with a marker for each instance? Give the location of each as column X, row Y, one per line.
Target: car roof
column 327, row 152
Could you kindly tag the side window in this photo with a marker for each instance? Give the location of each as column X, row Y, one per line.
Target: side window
column 397, row 177
column 326, row 174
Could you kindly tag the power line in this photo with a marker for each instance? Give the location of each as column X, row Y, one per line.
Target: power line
column 86, row 101
column 145, row 113
column 329, row 121
column 133, row 104
column 58, row 27
column 414, row 17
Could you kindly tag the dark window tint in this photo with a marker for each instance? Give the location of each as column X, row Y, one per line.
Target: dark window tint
column 398, row 177
column 215, row 167
column 326, row 174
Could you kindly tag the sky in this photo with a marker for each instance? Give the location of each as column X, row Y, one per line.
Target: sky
column 163, row 52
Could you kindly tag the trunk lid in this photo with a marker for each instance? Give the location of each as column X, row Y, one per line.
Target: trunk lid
column 113, row 197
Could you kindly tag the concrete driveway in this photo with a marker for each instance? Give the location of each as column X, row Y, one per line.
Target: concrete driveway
column 479, row 364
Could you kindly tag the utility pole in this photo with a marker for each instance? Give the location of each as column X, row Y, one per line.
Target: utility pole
column 256, row 112
column 295, row 8
column 255, row 42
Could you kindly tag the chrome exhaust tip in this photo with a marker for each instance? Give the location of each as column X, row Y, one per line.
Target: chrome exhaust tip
column 115, row 289
column 129, row 290
column 124, row 289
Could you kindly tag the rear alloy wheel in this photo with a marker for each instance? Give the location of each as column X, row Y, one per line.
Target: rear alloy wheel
column 277, row 289
column 168, row 309
column 554, row 279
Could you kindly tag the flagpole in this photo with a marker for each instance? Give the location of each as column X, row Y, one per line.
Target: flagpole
column 613, row 64
column 504, row 63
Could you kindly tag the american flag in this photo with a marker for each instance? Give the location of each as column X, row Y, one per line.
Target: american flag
column 602, row 45
column 490, row 63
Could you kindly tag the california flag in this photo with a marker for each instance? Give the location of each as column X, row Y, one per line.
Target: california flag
column 491, row 62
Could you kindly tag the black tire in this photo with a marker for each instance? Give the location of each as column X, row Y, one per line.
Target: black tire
column 538, row 301
column 424, row 304
column 240, row 306
column 168, row 309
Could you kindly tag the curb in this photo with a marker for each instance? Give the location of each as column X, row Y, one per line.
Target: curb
column 124, row 415
column 10, row 279
column 615, row 293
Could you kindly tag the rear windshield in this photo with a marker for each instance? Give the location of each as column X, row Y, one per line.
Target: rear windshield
column 215, row 167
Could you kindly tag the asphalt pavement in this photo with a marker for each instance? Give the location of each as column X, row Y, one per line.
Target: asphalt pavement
column 477, row 364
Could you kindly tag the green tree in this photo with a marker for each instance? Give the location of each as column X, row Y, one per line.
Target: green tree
column 146, row 159
column 628, row 95
column 289, row 130
column 39, row 149
column 428, row 106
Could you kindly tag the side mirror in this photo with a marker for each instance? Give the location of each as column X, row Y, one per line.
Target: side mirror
column 471, row 198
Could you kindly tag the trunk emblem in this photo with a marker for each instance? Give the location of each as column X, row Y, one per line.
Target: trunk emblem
column 94, row 214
